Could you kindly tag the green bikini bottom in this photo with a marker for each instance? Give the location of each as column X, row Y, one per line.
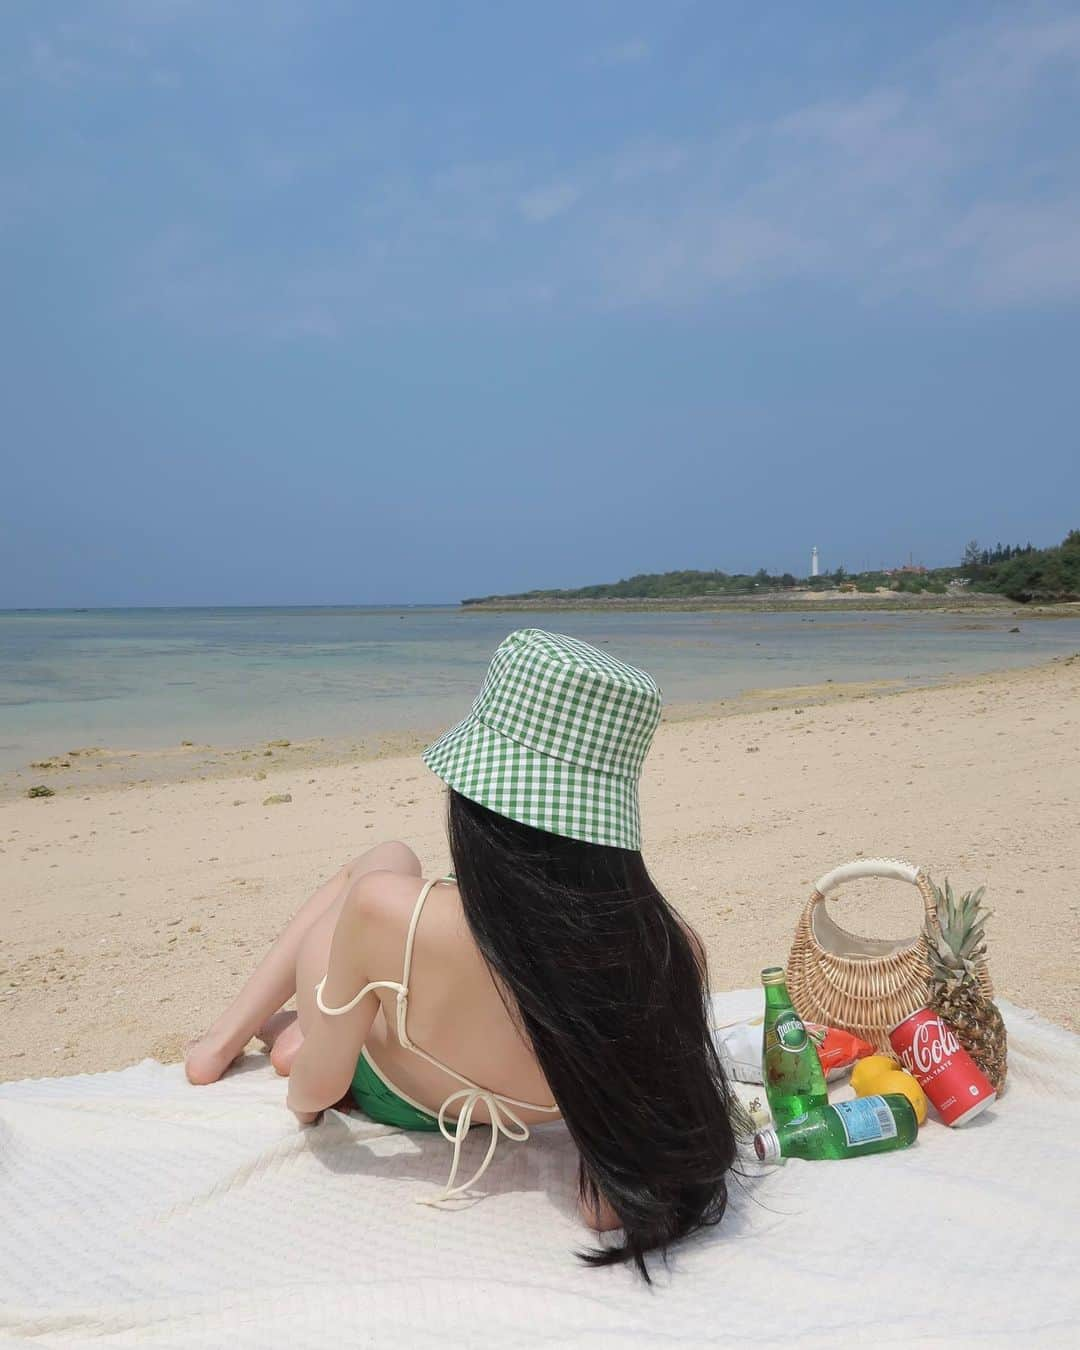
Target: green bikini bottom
column 384, row 1105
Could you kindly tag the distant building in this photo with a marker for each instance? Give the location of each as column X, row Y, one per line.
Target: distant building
column 910, row 569
column 814, row 562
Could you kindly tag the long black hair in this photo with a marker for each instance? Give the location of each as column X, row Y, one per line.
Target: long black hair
column 609, row 984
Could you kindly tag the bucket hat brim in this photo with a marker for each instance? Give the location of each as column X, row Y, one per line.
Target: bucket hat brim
column 536, row 789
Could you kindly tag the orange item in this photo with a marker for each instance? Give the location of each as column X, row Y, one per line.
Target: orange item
column 838, row 1050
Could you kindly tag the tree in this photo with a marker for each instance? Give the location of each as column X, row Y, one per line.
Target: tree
column 787, row 581
column 1034, row 573
column 972, row 553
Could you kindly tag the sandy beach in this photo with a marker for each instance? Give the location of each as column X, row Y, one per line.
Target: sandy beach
column 130, row 912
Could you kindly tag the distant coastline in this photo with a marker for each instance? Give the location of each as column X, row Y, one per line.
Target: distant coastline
column 784, row 602
column 996, row 577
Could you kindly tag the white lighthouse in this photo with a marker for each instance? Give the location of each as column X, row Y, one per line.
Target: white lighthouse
column 813, row 561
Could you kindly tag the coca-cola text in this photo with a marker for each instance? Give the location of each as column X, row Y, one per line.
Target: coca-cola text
column 932, row 1042
column 930, row 1049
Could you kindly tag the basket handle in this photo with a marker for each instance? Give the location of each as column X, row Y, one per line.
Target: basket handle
column 891, row 869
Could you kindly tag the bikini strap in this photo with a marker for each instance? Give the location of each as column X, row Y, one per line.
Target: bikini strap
column 504, row 1120
column 472, row 1092
column 348, row 1007
column 402, row 988
column 418, row 909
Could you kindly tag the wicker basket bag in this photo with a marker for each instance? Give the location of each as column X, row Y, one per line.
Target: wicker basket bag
column 863, row 985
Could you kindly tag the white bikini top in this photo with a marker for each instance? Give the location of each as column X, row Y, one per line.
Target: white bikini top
column 500, row 1108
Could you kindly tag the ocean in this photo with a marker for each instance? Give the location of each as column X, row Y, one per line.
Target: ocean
column 150, row 678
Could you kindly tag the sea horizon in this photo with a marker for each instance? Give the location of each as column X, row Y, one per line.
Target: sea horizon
column 131, row 609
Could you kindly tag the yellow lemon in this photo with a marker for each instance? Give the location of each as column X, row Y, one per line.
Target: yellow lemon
column 902, row 1081
column 867, row 1071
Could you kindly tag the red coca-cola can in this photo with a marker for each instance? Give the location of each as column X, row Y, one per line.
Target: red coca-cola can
column 928, row 1048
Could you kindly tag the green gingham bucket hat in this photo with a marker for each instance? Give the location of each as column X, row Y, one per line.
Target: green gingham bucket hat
column 556, row 739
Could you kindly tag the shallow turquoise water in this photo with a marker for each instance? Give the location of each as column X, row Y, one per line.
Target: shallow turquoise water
column 149, row 678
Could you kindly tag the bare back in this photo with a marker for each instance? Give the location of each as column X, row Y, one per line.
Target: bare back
column 455, row 1011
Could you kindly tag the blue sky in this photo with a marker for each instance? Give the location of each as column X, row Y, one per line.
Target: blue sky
column 321, row 302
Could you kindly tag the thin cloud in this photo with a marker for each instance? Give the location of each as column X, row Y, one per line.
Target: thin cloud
column 110, row 44
column 887, row 192
column 647, row 158
column 546, row 203
column 627, row 53
column 49, row 63
column 922, row 186
column 1021, row 254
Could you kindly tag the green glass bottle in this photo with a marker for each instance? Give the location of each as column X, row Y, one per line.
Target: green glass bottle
column 846, row 1130
column 790, row 1068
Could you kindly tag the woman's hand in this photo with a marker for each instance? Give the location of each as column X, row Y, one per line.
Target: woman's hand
column 304, row 1117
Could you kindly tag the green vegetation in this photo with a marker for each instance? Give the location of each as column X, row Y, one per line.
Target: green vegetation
column 1026, row 573
column 1021, row 573
column 659, row 586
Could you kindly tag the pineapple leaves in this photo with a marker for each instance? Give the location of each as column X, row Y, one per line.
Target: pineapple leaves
column 961, row 938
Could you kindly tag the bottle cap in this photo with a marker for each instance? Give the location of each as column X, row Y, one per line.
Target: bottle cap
column 772, row 975
column 767, row 1146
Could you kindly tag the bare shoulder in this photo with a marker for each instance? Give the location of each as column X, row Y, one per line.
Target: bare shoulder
column 380, row 905
column 372, row 931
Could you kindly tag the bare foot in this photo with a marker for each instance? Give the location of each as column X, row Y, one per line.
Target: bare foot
column 274, row 1025
column 207, row 1058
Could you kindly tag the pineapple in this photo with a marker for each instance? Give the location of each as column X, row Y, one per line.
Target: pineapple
column 955, row 991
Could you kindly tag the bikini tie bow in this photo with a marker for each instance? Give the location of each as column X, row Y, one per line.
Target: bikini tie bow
column 504, row 1121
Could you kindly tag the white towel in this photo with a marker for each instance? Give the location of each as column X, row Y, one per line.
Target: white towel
column 136, row 1210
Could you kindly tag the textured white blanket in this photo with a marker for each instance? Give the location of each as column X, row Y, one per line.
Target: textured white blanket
column 136, row 1210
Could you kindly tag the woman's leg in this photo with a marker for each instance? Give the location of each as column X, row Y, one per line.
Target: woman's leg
column 273, row 982
column 270, row 1031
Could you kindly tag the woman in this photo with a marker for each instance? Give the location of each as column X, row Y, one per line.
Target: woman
column 545, row 977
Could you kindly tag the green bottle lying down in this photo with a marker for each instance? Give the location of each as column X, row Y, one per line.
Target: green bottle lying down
column 846, row 1130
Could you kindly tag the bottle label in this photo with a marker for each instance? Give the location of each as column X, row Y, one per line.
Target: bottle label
column 788, row 1033
column 865, row 1120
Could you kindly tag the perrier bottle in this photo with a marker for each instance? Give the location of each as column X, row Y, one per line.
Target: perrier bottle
column 790, row 1068
column 846, row 1130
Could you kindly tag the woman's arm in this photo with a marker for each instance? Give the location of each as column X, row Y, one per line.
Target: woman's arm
column 325, row 1063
